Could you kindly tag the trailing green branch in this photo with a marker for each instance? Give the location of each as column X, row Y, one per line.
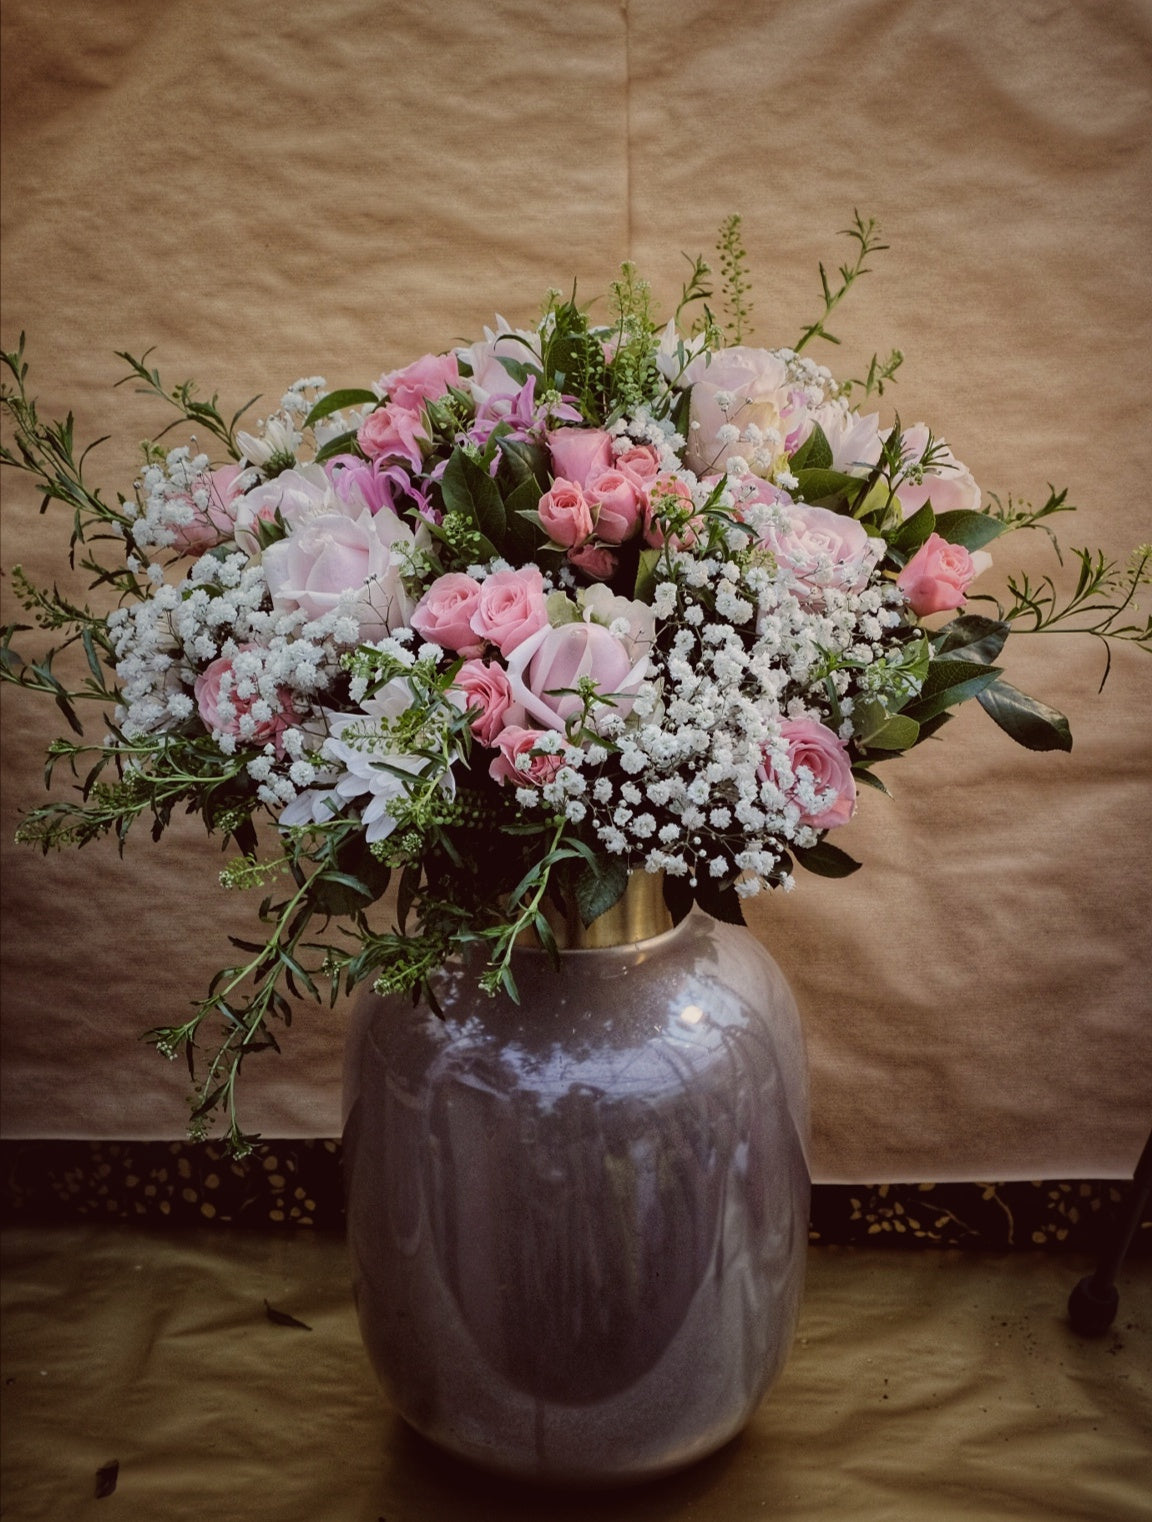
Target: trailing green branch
column 866, row 236
column 183, row 398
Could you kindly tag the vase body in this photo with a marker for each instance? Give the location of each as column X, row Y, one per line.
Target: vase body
column 578, row 1224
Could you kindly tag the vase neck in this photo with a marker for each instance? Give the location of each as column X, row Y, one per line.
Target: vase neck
column 639, row 914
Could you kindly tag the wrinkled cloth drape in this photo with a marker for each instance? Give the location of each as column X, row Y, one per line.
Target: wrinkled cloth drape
column 942, row 1385
column 266, row 193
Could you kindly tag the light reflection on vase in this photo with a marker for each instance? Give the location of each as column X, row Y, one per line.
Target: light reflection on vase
column 578, row 1225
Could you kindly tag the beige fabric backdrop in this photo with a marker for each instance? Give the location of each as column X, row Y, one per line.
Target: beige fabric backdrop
column 266, row 191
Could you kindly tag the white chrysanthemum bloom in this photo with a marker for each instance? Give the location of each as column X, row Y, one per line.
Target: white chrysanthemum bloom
column 370, row 775
column 278, row 440
column 676, row 352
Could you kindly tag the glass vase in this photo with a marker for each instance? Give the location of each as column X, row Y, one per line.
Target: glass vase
column 578, row 1223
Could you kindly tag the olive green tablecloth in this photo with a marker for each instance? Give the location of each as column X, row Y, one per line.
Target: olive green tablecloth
column 923, row 1387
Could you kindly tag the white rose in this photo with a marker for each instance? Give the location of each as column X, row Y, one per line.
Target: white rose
column 329, row 556
column 734, row 391
column 295, row 494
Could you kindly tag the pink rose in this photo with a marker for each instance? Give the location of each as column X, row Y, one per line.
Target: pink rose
column 511, row 607
column 949, row 484
column 619, row 505
column 423, row 380
column 335, row 563
column 555, row 659
column 444, row 614
column 224, row 712
column 670, row 495
column 938, row 575
column 213, row 505
column 393, row 432
column 822, row 549
column 595, row 560
column 514, row 743
column 565, row 514
column 641, row 464
column 485, row 687
column 820, row 767
column 578, row 453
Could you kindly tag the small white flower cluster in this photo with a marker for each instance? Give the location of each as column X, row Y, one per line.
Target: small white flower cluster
column 817, row 381
column 640, row 427
column 278, row 663
column 297, row 401
column 169, row 497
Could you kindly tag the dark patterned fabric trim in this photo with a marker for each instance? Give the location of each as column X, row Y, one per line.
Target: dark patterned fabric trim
column 297, row 1184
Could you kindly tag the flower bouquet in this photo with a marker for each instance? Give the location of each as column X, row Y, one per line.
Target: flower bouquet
column 574, row 602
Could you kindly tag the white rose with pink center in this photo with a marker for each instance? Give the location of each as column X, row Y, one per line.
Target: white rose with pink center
column 333, row 562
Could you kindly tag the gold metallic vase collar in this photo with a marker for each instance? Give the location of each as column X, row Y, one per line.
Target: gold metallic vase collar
column 639, row 914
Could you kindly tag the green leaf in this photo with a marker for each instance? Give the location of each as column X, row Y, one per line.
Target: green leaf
column 546, row 936
column 485, row 549
column 344, row 443
column 876, row 503
column 931, row 726
column 646, row 575
column 721, row 903
column 969, row 529
column 1026, row 720
column 524, row 533
column 561, row 609
column 69, row 712
column 823, row 485
column 282, row 1318
column 949, row 683
column 973, row 638
column 947, row 673
column 898, row 732
column 516, row 368
column 826, row 860
column 912, row 533
column 814, row 454
column 470, row 491
column 358, row 879
column 862, row 774
column 525, row 462
column 599, row 887
column 90, row 653
column 336, row 401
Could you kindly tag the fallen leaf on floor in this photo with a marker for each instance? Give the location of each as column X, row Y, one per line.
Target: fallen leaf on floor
column 282, row 1318
column 106, row 1477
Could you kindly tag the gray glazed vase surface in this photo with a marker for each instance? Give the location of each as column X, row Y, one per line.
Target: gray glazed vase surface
column 578, row 1224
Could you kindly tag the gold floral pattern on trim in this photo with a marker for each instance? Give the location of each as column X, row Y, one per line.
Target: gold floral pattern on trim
column 297, row 1184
